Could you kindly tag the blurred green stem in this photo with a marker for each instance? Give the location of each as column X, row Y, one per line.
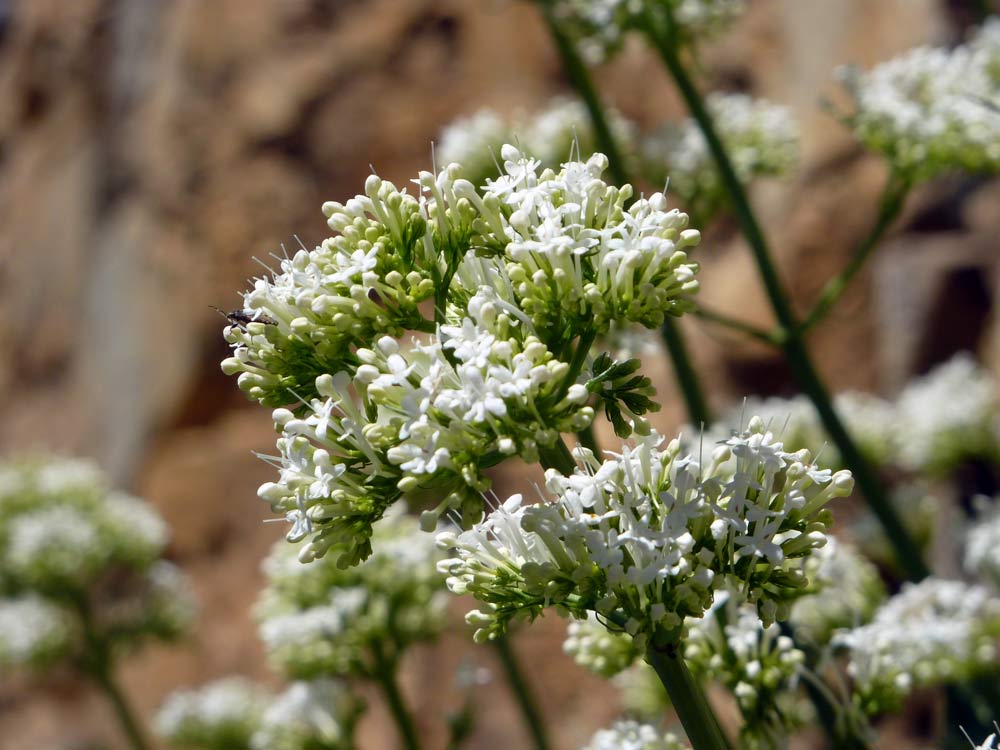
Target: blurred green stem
column 98, row 665
column 890, row 204
column 792, row 343
column 384, row 674
column 522, row 693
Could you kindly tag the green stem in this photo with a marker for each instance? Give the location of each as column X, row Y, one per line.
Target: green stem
column 579, row 76
column 748, row 329
column 890, row 204
column 697, row 406
column 588, row 439
column 385, row 675
column 557, row 457
column 98, row 665
column 522, row 693
column 686, row 696
column 791, row 340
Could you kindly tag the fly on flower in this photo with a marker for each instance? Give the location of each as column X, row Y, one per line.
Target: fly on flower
column 240, row 318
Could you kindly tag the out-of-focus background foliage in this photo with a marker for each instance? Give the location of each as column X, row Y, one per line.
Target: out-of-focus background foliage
column 149, row 149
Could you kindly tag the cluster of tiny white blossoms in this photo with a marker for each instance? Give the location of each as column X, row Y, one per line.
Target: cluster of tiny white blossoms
column 948, row 415
column 66, row 537
column 845, row 587
column 598, row 27
column 982, row 542
column 647, row 537
column 933, row 109
column 222, row 715
column 933, row 632
column 555, row 134
column 314, row 715
column 597, row 649
column 939, row 420
column 33, row 631
column 518, row 271
column 761, row 139
column 627, row 734
column 756, row 663
column 235, row 713
column 321, row 620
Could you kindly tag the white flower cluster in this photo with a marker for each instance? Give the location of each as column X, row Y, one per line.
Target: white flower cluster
column 933, row 632
column 932, row 109
column 65, row 536
column 316, row 715
column 235, row 713
column 221, row 715
column 535, row 261
column 756, row 663
column 560, row 132
column 939, row 420
column 598, row 27
column 846, row 591
column 947, row 415
column 627, row 734
column 647, row 537
column 990, row 743
column 761, row 139
column 33, row 631
column 982, row 542
column 319, row 620
column 597, row 649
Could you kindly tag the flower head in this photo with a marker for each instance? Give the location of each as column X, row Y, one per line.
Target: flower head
column 627, row 734
column 317, row 715
column 218, row 716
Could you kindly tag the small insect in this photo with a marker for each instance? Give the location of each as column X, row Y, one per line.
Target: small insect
column 240, row 318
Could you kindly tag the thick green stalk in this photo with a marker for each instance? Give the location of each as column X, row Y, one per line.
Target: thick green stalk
column 686, row 696
column 790, row 339
column 890, row 204
column 579, row 75
column 384, row 674
column 522, row 692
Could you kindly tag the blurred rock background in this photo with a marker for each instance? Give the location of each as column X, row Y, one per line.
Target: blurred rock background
column 150, row 149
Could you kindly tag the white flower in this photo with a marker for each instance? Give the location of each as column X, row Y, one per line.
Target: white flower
column 33, row 631
column 627, row 734
column 598, row 649
column 982, row 542
column 316, row 715
column 761, row 139
column 928, row 110
column 218, row 716
column 646, row 537
column 933, row 632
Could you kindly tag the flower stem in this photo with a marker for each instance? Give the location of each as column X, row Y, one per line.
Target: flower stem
column 579, row 75
column 98, row 665
column 791, row 340
column 522, row 692
column 748, row 329
column 685, row 693
column 385, row 675
column 894, row 195
column 697, row 406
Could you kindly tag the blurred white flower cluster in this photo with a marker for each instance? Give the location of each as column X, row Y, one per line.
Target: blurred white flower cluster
column 598, row 27
column 321, row 620
column 934, row 632
column 761, row 139
column 982, row 542
column 932, row 110
column 235, row 713
column 939, row 420
column 518, row 272
column 627, row 734
column 562, row 131
column 598, row 649
column 647, row 537
column 756, row 663
column 80, row 563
